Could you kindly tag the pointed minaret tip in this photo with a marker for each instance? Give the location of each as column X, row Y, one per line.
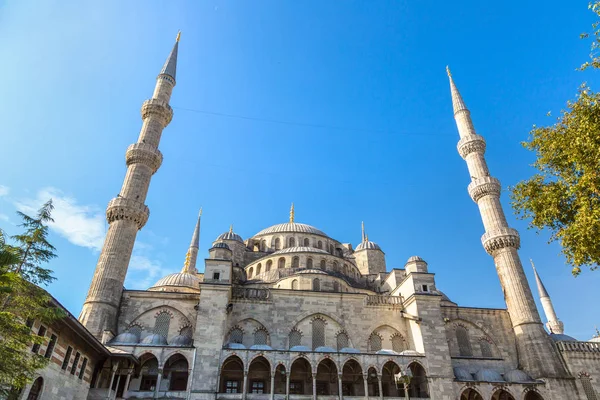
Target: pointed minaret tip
column 448, row 72
column 170, row 67
column 457, row 102
column 541, row 288
column 178, row 36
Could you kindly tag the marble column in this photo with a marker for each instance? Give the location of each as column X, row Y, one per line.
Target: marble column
column 245, row 386
column 126, row 387
column 366, row 384
column 314, row 382
column 273, row 385
column 158, row 379
column 380, row 387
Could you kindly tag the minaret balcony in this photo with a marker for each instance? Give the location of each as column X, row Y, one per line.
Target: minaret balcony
column 158, row 108
column 144, row 153
column 469, row 144
column 499, row 238
column 121, row 208
column 484, row 186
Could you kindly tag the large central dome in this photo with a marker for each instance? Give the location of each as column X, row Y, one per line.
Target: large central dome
column 294, row 227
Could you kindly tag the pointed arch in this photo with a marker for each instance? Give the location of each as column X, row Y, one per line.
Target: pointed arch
column 327, row 378
column 352, row 379
column 471, row 394
column 375, row 342
column 502, row 394
column 301, row 376
column 463, row 340
column 318, row 332
column 259, row 376
column 232, row 375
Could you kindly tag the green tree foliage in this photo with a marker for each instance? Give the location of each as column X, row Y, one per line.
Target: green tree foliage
column 21, row 300
column 564, row 195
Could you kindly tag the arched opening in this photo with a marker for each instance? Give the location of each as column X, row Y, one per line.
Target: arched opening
column 306, row 242
column 336, row 268
column 258, row 269
column 292, row 242
column 280, row 379
column 309, row 262
column 464, row 344
column 319, row 245
column 388, row 382
column 418, row 386
column 277, row 244
column 300, row 377
column 345, row 269
column 269, row 265
column 296, row 262
column 352, row 379
column 259, row 376
column 250, row 273
column 236, row 335
column 263, row 245
column 36, row 389
column 374, row 343
column 502, row 395
column 372, row 383
column 261, row 336
column 148, row 372
column 531, row 395
column 323, row 264
column 318, row 333
column 281, row 263
column 295, row 284
column 470, row 394
column 316, row 284
column 327, row 378
column 398, row 343
column 232, row 375
column 176, row 371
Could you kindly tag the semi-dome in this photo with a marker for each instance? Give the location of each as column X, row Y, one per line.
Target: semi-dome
column 221, row 245
column 230, row 235
column 300, row 249
column 559, row 337
column 181, row 340
column 291, row 227
column 367, row 245
column 488, row 375
column 179, row 279
column 415, row 258
column 125, row 338
column 517, row 376
column 155, row 340
column 462, row 374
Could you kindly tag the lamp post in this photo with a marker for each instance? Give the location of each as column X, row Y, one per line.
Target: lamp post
column 404, row 377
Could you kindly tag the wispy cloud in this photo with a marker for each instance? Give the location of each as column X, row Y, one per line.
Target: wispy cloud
column 81, row 225
column 4, row 190
column 4, row 217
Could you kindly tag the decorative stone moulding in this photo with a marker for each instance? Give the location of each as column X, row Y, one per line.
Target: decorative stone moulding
column 469, row 144
column 500, row 238
column 158, row 108
column 484, row 186
column 121, row 208
column 144, row 154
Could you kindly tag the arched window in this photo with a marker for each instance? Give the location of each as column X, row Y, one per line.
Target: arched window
column 502, row 395
column 318, row 333
column 236, row 335
column 161, row 324
column 186, row 331
column 250, row 273
column 295, row 284
column 345, row 269
column 296, row 262
column 281, row 263
column 398, row 343
column 306, row 242
column 418, row 386
column 531, row 395
column 263, row 245
column 470, row 394
column 341, row 340
column 486, row 348
column 339, row 252
column 319, row 245
column 292, row 242
column 331, row 249
column 258, row 268
column 295, row 338
column 588, row 388
column 269, row 265
column 260, row 336
column 36, row 389
column 176, row 369
column 148, row 372
column 323, row 264
column 316, row 285
column 336, row 267
column 374, row 342
column 336, row 286
column 136, row 330
column 277, row 244
column 309, row 262
column 464, row 344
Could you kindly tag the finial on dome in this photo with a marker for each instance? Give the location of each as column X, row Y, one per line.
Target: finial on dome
column 178, row 36
column 292, row 214
column 231, row 228
column 597, row 335
column 200, row 213
column 366, row 238
column 363, row 230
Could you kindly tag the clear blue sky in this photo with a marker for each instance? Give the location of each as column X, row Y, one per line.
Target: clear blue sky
column 340, row 107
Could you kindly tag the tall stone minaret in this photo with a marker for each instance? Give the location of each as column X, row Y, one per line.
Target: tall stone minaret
column 189, row 267
column 553, row 324
column 536, row 352
column 127, row 213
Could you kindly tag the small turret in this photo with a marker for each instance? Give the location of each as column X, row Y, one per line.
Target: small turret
column 370, row 259
column 554, row 325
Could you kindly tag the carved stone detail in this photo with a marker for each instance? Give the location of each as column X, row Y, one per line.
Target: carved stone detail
column 470, row 143
column 157, row 108
column 500, row 238
column 145, row 154
column 121, row 208
column 484, row 186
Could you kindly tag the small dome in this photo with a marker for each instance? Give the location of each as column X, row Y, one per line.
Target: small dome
column 300, row 348
column 367, row 245
column 221, row 245
column 325, row 349
column 349, row 350
column 410, row 353
column 386, row 351
column 125, row 338
column 462, row 374
column 517, row 376
column 415, row 258
column 155, row 340
column 559, row 337
column 300, row 249
column 237, row 346
column 488, row 375
column 260, row 347
column 595, row 339
column 181, row 340
column 181, row 279
column 292, row 227
column 230, row 235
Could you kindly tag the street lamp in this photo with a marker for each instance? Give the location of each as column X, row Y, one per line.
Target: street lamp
column 404, row 377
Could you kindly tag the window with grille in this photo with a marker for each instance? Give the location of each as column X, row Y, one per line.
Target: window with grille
column 83, row 366
column 375, row 342
column 588, row 388
column 258, row 387
column 398, row 344
column 186, row 331
column 75, row 362
column 236, row 336
column 486, row 348
column 295, row 284
column 260, row 336
column 51, row 346
column 161, row 324
column 295, row 338
column 232, row 387
column 464, row 344
column 316, row 284
column 318, row 333
column 342, row 340
column 67, row 358
column 136, row 330
column 42, row 333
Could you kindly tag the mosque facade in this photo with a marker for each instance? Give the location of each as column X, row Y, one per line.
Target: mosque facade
column 292, row 313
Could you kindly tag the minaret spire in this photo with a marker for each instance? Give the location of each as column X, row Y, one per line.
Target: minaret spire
column 292, row 214
column 189, row 267
column 538, row 356
column 363, row 231
column 553, row 324
column 127, row 213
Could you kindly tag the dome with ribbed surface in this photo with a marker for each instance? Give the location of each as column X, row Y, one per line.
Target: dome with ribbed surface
column 300, row 249
column 488, row 375
column 125, row 338
column 415, row 258
column 179, row 279
column 181, row 340
column 155, row 340
column 221, row 245
column 367, row 245
column 229, row 235
column 291, row 227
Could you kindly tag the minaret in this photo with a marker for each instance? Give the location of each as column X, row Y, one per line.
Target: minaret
column 553, row 324
column 537, row 354
column 189, row 267
column 127, row 213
